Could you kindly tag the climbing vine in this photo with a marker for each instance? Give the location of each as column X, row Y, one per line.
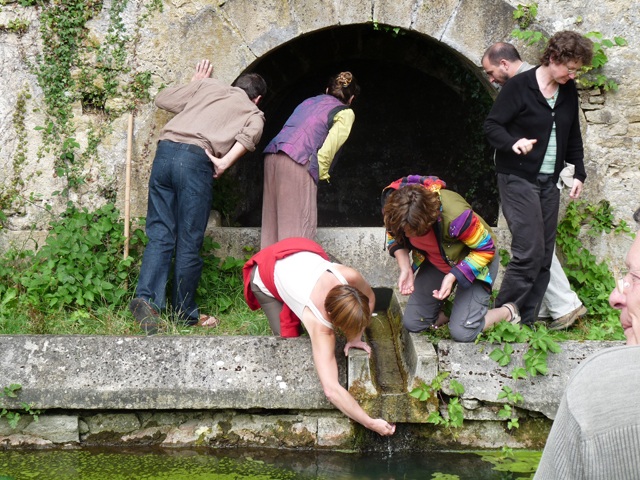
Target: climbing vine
column 75, row 70
column 590, row 76
column 14, row 180
column 591, row 279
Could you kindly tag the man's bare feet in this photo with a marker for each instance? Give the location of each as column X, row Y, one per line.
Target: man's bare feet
column 204, row 69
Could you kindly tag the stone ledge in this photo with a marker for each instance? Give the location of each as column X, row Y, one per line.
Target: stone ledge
column 250, row 391
column 483, row 378
column 162, row 372
column 212, row 373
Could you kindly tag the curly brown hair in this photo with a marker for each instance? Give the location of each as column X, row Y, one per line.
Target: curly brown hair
column 348, row 310
column 566, row 46
column 412, row 210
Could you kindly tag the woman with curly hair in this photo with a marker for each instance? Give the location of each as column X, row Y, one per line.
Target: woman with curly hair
column 434, row 232
column 300, row 156
column 535, row 128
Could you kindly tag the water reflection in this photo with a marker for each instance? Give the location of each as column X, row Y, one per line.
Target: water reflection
column 207, row 464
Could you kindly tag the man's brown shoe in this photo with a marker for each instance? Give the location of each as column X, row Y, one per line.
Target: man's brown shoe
column 569, row 319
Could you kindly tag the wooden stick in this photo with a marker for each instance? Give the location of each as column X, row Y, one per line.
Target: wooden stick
column 127, row 186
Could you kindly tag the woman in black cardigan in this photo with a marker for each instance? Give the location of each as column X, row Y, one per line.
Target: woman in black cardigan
column 535, row 129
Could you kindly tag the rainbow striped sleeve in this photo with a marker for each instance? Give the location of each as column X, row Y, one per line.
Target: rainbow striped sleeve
column 469, row 229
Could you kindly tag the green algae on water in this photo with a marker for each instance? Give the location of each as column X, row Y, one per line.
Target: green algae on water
column 167, row 465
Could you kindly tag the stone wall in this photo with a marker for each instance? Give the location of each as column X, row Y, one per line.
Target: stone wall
column 236, row 33
column 262, row 392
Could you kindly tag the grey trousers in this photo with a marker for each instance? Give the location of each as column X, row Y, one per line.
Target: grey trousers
column 531, row 211
column 270, row 306
column 470, row 304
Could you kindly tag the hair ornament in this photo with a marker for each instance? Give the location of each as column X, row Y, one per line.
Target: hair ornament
column 344, row 79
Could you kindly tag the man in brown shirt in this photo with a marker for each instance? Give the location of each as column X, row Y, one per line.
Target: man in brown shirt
column 215, row 124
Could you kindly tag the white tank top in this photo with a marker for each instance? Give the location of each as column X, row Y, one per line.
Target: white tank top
column 295, row 277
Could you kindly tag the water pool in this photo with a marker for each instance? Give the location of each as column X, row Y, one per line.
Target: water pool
column 227, row 464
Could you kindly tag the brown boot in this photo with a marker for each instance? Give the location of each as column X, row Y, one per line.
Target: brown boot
column 569, row 319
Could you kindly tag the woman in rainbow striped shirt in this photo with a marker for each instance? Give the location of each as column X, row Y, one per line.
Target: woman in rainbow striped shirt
column 438, row 242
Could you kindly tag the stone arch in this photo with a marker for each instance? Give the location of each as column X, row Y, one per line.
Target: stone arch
column 436, row 43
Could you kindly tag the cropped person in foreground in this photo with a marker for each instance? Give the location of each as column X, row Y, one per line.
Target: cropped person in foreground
column 596, row 432
column 293, row 281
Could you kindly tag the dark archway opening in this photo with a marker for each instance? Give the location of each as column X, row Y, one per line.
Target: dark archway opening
column 420, row 112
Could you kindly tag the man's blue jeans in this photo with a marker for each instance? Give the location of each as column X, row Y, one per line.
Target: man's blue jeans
column 180, row 195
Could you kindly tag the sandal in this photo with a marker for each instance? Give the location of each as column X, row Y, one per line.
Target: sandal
column 208, row 321
column 515, row 313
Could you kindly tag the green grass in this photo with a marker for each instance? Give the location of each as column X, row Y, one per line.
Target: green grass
column 236, row 320
column 79, row 284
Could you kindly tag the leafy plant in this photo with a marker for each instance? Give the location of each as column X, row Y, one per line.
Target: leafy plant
column 13, row 416
column 394, row 31
column 505, row 256
column 591, row 279
column 78, row 282
column 525, row 15
column 140, row 86
column 221, row 282
column 17, row 26
column 540, row 343
column 593, row 77
column 455, row 412
column 502, row 355
column 81, row 264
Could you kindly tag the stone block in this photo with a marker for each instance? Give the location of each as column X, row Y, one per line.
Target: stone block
column 359, row 373
column 472, row 26
column 112, row 423
column 334, row 431
column 161, row 372
column 421, row 360
column 483, row 378
column 55, row 428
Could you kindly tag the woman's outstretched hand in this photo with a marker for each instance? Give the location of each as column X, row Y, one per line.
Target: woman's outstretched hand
column 383, row 427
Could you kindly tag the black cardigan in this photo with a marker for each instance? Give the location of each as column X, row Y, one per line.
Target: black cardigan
column 521, row 111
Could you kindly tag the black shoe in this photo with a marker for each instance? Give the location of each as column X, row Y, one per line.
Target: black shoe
column 145, row 315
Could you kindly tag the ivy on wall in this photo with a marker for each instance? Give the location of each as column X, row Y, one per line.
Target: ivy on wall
column 590, row 76
column 74, row 69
